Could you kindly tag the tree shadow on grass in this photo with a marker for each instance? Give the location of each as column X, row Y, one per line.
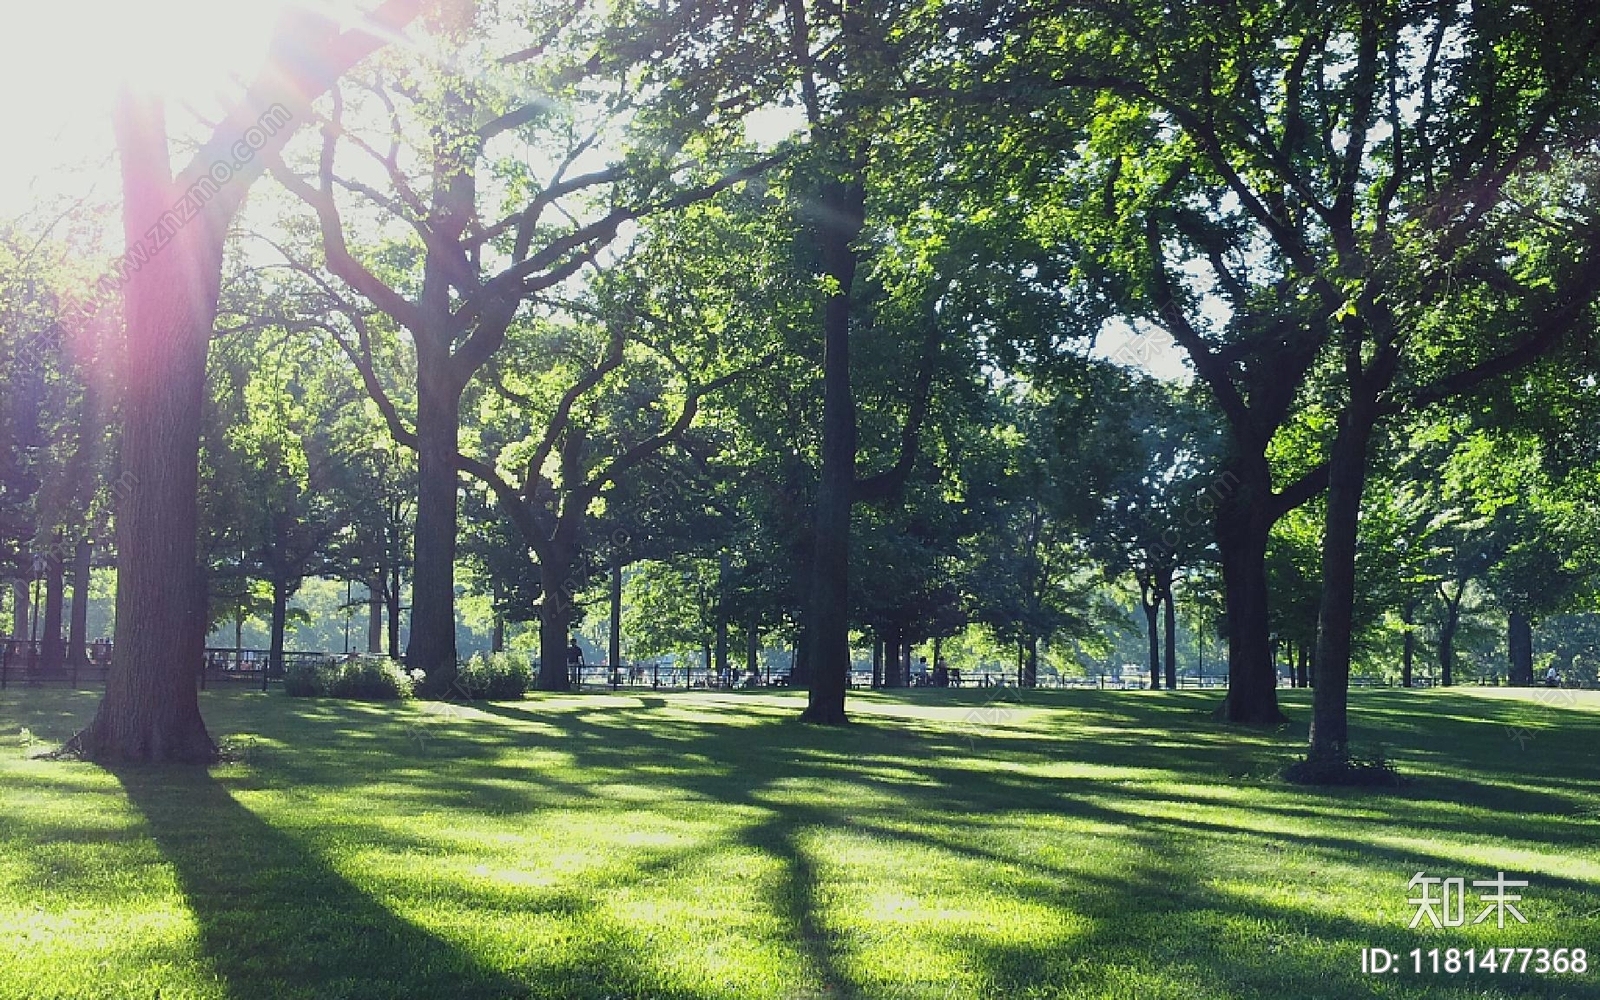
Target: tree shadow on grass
column 275, row 921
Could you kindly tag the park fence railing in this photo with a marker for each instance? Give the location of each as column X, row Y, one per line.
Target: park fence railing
column 23, row 661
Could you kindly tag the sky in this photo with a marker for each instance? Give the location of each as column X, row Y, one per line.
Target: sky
column 61, row 62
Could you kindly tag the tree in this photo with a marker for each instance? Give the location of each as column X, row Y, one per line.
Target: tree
column 175, row 227
column 451, row 151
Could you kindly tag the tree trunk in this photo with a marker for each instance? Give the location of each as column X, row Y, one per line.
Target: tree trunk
column 151, row 709
column 1347, row 475
column 892, row 658
column 1153, row 634
column 1447, row 642
column 432, row 643
column 392, row 596
column 276, row 628
column 877, row 662
column 78, row 629
column 721, row 621
column 21, row 609
column 1519, row 646
column 1303, row 668
column 1409, row 653
column 752, row 647
column 555, row 618
column 1242, row 525
column 374, row 619
column 614, row 635
column 52, row 652
column 840, row 220
column 1030, row 671
column 800, row 660
column 1172, row 634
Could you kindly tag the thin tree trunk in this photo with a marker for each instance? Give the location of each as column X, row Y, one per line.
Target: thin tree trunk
column 752, row 647
column 843, row 205
column 21, row 609
column 614, row 637
column 1519, row 647
column 1153, row 635
column 1172, row 634
column 78, row 629
column 1409, row 653
column 1303, row 668
column 1030, row 673
column 721, row 620
column 1347, row 473
column 1447, row 642
column 892, row 659
column 52, row 652
column 392, row 596
column 877, row 662
column 374, row 619
column 278, row 625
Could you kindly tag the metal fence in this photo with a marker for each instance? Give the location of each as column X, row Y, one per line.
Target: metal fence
column 23, row 662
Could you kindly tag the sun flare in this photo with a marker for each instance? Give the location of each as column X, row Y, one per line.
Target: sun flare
column 61, row 64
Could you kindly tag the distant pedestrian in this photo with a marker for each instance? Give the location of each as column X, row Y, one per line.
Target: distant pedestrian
column 574, row 659
column 1552, row 678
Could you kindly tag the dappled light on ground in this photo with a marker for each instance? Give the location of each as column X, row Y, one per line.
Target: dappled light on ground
column 1058, row 844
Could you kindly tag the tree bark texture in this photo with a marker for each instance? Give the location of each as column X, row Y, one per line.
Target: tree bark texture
column 843, row 207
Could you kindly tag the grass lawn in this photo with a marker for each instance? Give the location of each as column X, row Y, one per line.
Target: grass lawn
column 1072, row 844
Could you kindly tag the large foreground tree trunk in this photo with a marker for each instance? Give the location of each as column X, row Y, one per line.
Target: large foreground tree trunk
column 1242, row 526
column 151, row 710
column 842, row 215
column 1347, row 476
column 172, row 273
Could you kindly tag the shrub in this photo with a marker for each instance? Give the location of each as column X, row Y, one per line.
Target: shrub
column 1373, row 769
column 494, row 676
column 367, row 678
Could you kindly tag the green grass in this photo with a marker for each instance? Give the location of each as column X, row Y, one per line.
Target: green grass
column 1075, row 844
